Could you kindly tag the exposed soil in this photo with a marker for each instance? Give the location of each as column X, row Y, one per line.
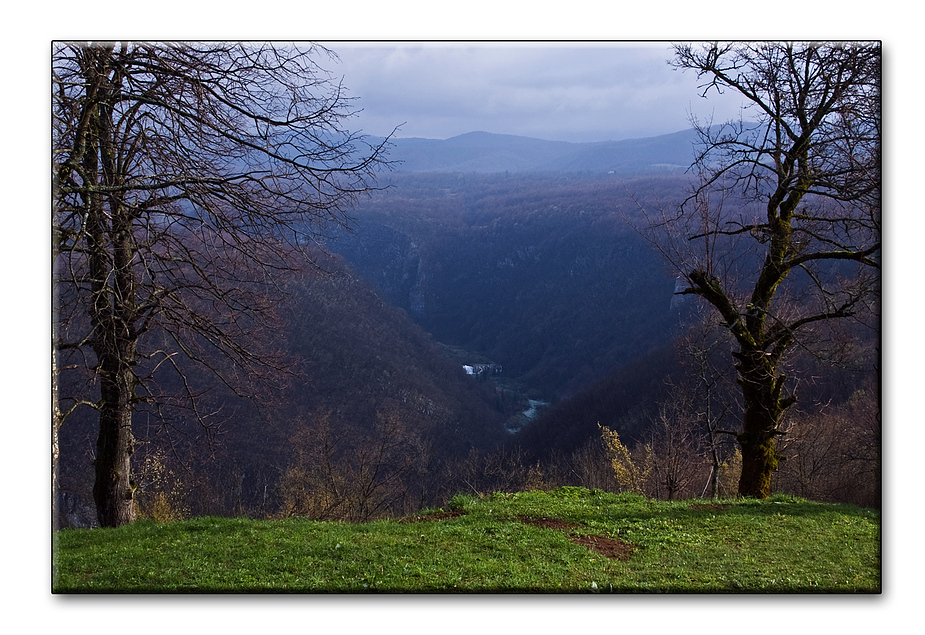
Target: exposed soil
column 609, row 547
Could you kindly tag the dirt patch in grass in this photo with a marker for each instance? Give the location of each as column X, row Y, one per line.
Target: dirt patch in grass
column 609, row 547
column 453, row 513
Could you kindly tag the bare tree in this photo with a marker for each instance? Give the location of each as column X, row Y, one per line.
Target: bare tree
column 710, row 400
column 348, row 474
column 782, row 231
column 833, row 454
column 186, row 178
column 677, row 444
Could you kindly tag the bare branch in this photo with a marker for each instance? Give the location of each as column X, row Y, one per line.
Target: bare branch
column 187, row 177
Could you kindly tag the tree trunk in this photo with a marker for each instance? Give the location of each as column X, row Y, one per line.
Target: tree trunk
column 113, row 489
column 759, row 460
column 55, row 424
column 111, row 256
column 764, row 405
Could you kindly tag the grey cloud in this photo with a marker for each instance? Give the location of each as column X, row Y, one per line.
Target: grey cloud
column 557, row 92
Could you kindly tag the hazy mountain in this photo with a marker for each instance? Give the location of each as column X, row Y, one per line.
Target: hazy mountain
column 665, row 153
column 485, row 152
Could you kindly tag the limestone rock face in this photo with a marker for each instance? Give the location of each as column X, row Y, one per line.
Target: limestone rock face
column 74, row 512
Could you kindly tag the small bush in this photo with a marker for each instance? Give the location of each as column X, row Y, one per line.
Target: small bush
column 632, row 468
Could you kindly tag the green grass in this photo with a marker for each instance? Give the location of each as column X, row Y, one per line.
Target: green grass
column 780, row 545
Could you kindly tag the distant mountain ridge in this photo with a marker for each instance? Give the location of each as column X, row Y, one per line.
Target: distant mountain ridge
column 484, row 152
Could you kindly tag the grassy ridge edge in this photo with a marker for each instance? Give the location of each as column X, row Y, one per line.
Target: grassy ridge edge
column 538, row 542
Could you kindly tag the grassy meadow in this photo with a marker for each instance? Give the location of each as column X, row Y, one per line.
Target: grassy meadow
column 569, row 540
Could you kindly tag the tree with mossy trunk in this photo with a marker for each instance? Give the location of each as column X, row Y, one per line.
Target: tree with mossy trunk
column 187, row 178
column 781, row 233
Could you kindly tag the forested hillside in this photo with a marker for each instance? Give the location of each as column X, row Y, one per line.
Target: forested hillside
column 539, row 274
column 543, row 274
column 546, row 277
column 365, row 387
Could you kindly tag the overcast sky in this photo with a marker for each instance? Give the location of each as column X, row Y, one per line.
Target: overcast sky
column 556, row 91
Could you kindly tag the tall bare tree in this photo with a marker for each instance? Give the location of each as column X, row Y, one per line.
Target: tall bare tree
column 782, row 231
column 186, row 177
